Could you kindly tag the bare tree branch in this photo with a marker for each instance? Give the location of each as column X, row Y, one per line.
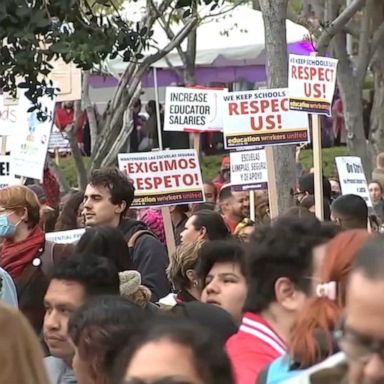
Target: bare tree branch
column 115, row 123
column 90, row 110
column 338, row 24
column 172, row 44
column 301, row 20
column 377, row 38
column 364, row 55
column 368, row 45
column 350, row 30
column 75, row 150
column 58, row 173
column 168, row 31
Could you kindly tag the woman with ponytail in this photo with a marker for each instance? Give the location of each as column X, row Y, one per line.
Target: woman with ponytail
column 311, row 339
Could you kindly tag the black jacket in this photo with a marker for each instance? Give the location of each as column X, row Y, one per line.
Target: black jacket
column 149, row 257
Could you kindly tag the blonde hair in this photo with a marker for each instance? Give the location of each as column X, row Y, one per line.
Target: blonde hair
column 18, row 197
column 21, row 355
column 380, row 160
column 184, row 258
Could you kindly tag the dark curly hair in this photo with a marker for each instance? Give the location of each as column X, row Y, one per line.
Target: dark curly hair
column 281, row 250
column 120, row 188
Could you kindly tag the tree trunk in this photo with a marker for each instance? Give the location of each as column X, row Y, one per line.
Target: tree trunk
column 189, row 72
column 351, row 95
column 90, row 110
column 112, row 136
column 377, row 66
column 274, row 15
column 82, row 177
column 350, row 81
column 377, row 113
column 57, row 171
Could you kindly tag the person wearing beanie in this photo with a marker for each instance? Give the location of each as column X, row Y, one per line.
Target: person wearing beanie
column 131, row 288
column 154, row 220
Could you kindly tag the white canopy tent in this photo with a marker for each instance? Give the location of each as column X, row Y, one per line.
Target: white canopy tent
column 233, row 38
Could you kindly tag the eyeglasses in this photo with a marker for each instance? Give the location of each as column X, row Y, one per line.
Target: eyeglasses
column 356, row 346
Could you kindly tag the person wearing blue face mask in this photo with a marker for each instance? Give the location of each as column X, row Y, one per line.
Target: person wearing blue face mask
column 25, row 254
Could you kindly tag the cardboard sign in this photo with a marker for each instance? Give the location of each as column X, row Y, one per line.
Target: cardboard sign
column 29, row 147
column 261, row 117
column 311, row 84
column 65, row 237
column 249, row 170
column 193, row 110
column 164, row 178
column 9, row 118
column 66, row 77
column 352, row 177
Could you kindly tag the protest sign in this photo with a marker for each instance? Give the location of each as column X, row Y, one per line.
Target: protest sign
column 58, row 141
column 9, row 119
column 311, row 84
column 164, row 178
column 261, row 117
column 249, row 170
column 67, row 78
column 29, row 147
column 352, row 177
column 193, row 109
column 65, row 237
column 6, row 174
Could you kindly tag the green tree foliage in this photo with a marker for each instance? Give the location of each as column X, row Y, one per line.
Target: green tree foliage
column 34, row 32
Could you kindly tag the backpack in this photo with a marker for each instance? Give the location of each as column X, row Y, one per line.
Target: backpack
column 132, row 240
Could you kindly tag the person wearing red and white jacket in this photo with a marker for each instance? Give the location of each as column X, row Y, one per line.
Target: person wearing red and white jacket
column 279, row 282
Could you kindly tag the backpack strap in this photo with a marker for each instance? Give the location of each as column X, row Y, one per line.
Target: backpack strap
column 47, row 256
column 132, row 240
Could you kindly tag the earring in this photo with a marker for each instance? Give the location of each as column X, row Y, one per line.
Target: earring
column 195, row 283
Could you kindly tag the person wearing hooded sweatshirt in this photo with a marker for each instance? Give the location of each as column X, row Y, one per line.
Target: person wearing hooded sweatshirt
column 107, row 198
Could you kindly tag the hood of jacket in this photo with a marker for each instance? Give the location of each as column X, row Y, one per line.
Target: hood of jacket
column 129, row 226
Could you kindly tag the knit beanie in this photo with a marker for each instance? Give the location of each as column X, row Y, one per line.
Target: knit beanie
column 131, row 288
column 154, row 221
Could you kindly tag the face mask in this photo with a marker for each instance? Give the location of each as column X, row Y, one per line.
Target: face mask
column 6, row 228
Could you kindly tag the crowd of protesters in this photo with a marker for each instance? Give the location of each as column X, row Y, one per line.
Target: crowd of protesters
column 289, row 299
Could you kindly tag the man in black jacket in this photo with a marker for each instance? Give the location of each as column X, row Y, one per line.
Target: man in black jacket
column 108, row 196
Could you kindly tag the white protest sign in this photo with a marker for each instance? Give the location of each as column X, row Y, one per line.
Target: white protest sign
column 29, row 147
column 249, row 170
column 352, row 177
column 261, row 117
column 193, row 109
column 164, row 178
column 311, row 84
column 58, row 141
column 65, row 237
column 6, row 174
column 67, row 78
column 9, row 118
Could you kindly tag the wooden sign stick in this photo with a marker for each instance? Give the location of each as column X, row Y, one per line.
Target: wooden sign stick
column 317, row 166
